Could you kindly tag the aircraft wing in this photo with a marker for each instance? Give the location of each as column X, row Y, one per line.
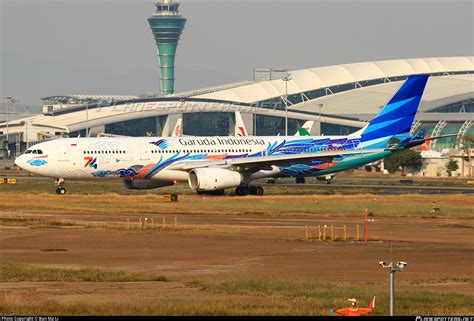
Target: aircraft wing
column 265, row 162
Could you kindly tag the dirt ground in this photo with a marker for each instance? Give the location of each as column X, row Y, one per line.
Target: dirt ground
column 439, row 252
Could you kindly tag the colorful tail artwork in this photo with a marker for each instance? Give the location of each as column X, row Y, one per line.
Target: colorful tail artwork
column 305, row 130
column 177, row 128
column 397, row 116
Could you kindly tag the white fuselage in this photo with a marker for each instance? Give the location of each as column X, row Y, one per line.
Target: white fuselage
column 151, row 157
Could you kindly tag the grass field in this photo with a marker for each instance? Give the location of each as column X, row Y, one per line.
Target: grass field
column 457, row 206
column 228, row 255
column 324, row 295
column 16, row 272
column 245, row 296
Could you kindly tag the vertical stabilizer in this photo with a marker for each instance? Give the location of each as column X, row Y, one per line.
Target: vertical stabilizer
column 397, row 116
column 178, row 128
column 240, row 129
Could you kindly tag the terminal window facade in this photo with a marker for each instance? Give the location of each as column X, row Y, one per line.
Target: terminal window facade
column 207, row 124
column 465, row 106
column 337, row 130
column 272, row 126
column 135, row 127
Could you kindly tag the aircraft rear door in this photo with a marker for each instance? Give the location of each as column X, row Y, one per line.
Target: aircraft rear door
column 144, row 151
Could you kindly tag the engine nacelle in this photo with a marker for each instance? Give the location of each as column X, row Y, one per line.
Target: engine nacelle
column 212, row 179
column 327, row 178
column 145, row 184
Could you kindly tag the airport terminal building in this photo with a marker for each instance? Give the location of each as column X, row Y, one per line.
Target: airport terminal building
column 340, row 99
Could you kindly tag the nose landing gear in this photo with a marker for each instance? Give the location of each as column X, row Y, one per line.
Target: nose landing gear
column 60, row 189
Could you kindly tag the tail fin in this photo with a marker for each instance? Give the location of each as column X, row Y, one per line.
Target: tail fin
column 372, row 303
column 305, row 130
column 177, row 128
column 426, row 145
column 397, row 116
column 240, row 129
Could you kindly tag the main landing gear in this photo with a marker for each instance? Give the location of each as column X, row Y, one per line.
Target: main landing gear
column 217, row 192
column 300, row 180
column 246, row 190
column 60, row 189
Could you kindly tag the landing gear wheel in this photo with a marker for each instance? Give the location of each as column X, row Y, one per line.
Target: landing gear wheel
column 253, row 190
column 242, row 190
column 238, row 191
column 259, row 190
column 60, row 190
column 216, row 192
column 256, row 190
column 300, row 180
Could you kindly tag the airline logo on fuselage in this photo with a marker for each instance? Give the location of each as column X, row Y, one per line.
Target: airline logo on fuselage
column 162, row 143
column 221, row 141
column 91, row 162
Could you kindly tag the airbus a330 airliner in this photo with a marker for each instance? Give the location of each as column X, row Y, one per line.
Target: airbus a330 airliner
column 212, row 164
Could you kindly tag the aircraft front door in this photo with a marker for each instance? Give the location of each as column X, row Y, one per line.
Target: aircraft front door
column 63, row 153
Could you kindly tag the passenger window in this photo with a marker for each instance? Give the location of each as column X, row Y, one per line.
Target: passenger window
column 34, row 152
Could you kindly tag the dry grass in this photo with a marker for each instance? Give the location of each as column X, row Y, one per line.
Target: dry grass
column 256, row 296
column 324, row 295
column 452, row 206
column 17, row 272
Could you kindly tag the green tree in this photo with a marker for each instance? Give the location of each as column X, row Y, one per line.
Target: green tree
column 403, row 159
column 451, row 166
column 467, row 143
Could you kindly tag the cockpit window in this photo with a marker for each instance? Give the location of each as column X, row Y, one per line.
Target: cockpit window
column 34, row 151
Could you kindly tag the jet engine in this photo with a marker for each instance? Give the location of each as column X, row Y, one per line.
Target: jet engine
column 327, row 178
column 145, row 184
column 212, row 179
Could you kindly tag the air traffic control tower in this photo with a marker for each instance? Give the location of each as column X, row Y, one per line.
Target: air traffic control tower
column 167, row 25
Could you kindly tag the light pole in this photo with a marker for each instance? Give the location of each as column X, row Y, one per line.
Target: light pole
column 286, row 80
column 393, row 269
column 26, row 126
column 87, row 120
column 320, row 123
column 9, row 100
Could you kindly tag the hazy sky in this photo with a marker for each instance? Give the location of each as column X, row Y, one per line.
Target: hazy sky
column 50, row 47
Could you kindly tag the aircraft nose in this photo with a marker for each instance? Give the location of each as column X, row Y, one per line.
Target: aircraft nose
column 20, row 161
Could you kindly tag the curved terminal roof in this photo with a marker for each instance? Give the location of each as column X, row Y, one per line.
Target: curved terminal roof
column 344, row 94
column 322, row 77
